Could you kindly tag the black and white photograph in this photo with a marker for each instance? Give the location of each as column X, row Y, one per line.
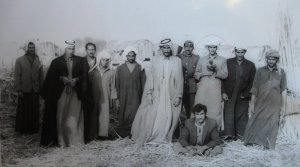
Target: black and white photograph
column 149, row 83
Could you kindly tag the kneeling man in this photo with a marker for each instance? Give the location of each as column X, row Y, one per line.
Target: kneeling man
column 199, row 135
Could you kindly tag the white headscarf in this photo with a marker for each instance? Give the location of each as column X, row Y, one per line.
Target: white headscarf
column 129, row 49
column 69, row 43
column 104, row 54
column 212, row 41
column 101, row 55
column 239, row 47
column 166, row 42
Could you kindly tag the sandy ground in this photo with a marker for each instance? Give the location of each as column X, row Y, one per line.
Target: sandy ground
column 24, row 150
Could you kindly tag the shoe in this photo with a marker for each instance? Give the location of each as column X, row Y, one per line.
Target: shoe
column 102, row 138
column 115, row 134
column 228, row 138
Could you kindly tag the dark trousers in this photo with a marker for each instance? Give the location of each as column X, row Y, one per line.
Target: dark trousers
column 91, row 114
column 188, row 100
column 27, row 118
column 235, row 116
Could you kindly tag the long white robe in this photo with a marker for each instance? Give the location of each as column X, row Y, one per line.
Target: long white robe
column 108, row 93
column 209, row 86
column 70, row 121
column 156, row 122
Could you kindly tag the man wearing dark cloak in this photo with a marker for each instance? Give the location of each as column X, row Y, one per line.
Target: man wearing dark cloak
column 65, row 78
column 91, row 96
column 130, row 80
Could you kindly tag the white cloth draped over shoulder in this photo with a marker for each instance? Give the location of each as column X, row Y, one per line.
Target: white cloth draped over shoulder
column 155, row 122
column 106, row 80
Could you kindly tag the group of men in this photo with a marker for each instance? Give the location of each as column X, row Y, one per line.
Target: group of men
column 79, row 93
column 179, row 91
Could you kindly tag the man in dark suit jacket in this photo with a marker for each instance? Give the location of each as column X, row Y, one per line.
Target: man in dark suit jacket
column 28, row 81
column 91, row 98
column 236, row 94
column 200, row 135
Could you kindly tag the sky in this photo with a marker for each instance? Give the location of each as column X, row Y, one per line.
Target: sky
column 237, row 22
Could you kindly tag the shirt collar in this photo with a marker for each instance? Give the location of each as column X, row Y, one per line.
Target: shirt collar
column 196, row 123
column 70, row 58
column 27, row 54
column 186, row 55
column 30, row 56
column 166, row 58
column 239, row 62
column 274, row 69
column 212, row 57
column 91, row 58
column 104, row 70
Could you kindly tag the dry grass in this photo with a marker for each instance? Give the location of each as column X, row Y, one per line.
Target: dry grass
column 125, row 153
column 19, row 150
column 14, row 145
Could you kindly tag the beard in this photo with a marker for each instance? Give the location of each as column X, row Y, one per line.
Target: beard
column 131, row 61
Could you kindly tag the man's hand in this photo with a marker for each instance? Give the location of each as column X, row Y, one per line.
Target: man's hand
column 281, row 120
column 20, row 94
column 207, row 152
column 65, row 80
column 211, row 67
column 201, row 149
column 225, row 97
column 176, row 101
column 282, row 116
column 251, row 109
column 117, row 103
column 191, row 150
column 73, row 81
column 149, row 98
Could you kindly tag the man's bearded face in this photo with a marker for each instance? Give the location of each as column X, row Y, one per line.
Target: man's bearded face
column 239, row 54
column 272, row 61
column 31, row 49
column 131, row 56
column 166, row 50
